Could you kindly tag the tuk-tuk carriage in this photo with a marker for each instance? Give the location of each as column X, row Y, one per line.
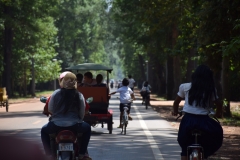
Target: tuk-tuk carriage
column 99, row 111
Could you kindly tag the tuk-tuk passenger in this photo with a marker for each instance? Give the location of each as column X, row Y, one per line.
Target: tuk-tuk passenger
column 99, row 79
column 79, row 79
column 88, row 80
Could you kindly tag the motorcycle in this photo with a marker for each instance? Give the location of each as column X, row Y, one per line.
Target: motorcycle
column 111, row 85
column 64, row 143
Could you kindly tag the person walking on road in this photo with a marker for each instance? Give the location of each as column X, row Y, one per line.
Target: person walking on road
column 131, row 82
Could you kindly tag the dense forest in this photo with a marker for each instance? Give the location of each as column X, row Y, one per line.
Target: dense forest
column 158, row 40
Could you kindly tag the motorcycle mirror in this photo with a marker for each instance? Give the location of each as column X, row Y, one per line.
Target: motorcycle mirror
column 43, row 99
column 89, row 100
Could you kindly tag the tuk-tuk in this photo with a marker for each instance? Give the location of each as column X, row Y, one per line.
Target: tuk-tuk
column 99, row 111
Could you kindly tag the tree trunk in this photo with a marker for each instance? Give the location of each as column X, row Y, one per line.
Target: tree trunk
column 177, row 74
column 225, row 85
column 33, row 79
column 7, row 47
column 169, row 78
column 161, row 79
column 25, row 83
column 176, row 63
column 141, row 62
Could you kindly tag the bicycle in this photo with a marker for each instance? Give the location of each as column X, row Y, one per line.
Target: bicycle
column 124, row 122
column 146, row 99
column 195, row 151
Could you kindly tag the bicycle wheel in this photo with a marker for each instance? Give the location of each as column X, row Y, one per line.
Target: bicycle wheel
column 125, row 128
column 195, row 155
column 7, row 106
column 146, row 103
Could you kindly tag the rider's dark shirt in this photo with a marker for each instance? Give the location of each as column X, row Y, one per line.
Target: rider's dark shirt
column 71, row 117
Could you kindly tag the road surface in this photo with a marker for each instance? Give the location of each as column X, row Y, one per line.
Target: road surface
column 149, row 137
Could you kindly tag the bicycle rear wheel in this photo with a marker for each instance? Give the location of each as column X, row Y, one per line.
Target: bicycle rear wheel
column 125, row 128
column 146, row 103
column 196, row 155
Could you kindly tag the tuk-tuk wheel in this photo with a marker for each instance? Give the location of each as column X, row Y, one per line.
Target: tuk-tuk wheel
column 7, row 106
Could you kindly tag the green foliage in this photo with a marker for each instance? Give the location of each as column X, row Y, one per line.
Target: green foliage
column 81, row 32
column 33, row 40
column 123, row 37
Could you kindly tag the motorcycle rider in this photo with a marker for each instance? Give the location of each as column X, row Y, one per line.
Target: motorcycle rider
column 67, row 108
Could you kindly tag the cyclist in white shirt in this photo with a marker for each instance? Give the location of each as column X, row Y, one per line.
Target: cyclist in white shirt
column 126, row 94
column 198, row 96
column 131, row 82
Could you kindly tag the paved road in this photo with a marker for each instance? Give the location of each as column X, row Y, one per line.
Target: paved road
column 148, row 136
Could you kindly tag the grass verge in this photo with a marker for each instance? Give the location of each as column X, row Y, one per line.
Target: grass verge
column 18, row 99
column 234, row 120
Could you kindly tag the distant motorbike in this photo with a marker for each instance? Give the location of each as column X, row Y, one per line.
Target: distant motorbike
column 64, row 143
column 111, row 85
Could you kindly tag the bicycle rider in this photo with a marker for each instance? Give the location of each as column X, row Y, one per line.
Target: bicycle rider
column 145, row 91
column 126, row 94
column 198, row 96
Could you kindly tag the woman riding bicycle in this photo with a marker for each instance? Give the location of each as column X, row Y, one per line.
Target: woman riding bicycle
column 198, row 96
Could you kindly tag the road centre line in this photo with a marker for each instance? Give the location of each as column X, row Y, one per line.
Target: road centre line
column 156, row 151
column 15, row 132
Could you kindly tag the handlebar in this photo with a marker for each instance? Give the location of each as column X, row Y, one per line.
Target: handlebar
column 180, row 114
column 211, row 114
column 43, row 99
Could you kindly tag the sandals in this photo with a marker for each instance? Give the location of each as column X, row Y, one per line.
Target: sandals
column 120, row 126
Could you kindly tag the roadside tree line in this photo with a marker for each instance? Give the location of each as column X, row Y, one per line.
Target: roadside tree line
column 40, row 38
column 175, row 36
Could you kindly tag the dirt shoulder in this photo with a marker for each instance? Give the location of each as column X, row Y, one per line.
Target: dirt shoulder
column 231, row 143
column 24, row 100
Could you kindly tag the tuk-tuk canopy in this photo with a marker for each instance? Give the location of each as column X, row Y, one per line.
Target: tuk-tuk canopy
column 90, row 66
